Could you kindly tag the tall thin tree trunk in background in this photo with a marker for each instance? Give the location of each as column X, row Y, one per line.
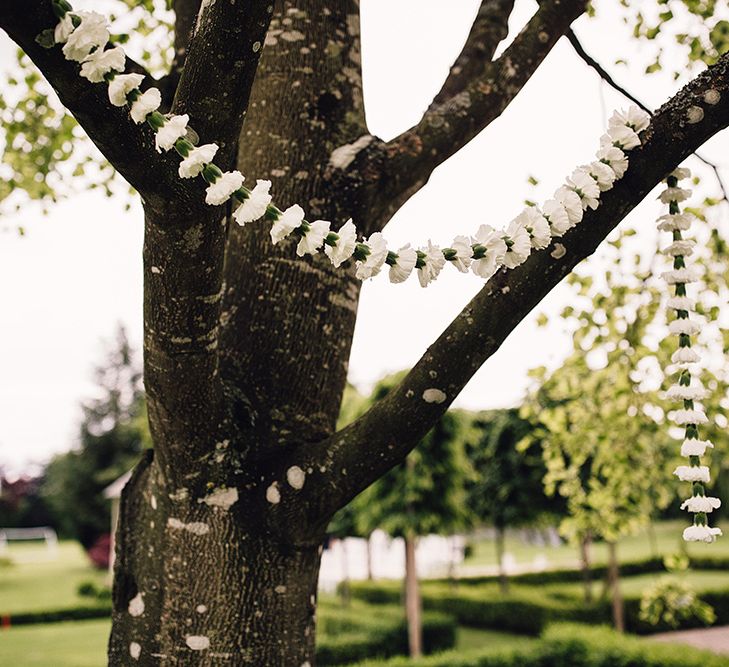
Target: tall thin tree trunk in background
column 413, row 605
column 345, row 590
column 585, row 542
column 614, row 581
column 370, row 572
column 503, row 577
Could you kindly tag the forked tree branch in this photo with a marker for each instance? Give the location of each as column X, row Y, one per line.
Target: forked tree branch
column 607, row 78
column 221, row 64
column 346, row 463
column 403, row 165
column 185, row 15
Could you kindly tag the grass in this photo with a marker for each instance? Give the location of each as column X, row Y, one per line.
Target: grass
column 35, row 583
column 636, row 547
column 74, row 644
column 473, row 638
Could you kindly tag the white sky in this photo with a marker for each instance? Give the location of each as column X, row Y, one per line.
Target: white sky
column 77, row 273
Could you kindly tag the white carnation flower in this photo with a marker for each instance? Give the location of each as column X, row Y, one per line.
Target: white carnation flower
column 614, row 158
column 634, row 118
column 692, row 473
column 175, row 128
column 404, row 264
column 434, row 261
column 704, row 504
column 121, row 85
column 701, row 534
column 682, row 247
column 289, row 220
column 671, row 222
column 219, row 192
column 464, row 253
column 683, row 417
column 255, row 206
column 313, row 238
column 196, row 159
column 556, row 215
column 145, row 104
column 679, row 392
column 674, row 194
column 518, row 244
column 92, row 33
column 571, row 202
column 685, row 355
column 681, row 303
column 344, row 247
column 372, row 264
column 537, row 227
column 684, row 326
column 63, row 29
column 602, row 173
column 680, row 276
column 100, row 63
column 693, row 447
column 495, row 246
column 620, row 136
column 585, row 187
column 680, row 173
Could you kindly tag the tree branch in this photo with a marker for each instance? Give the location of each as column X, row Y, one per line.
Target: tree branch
column 607, row 78
column 490, row 26
column 221, row 64
column 185, row 15
column 400, row 167
column 346, row 463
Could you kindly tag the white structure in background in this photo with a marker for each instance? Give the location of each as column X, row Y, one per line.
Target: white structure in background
column 48, row 535
column 348, row 559
column 113, row 493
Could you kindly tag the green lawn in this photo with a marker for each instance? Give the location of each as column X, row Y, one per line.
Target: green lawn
column 34, row 583
column 636, row 547
column 473, row 638
column 73, row 644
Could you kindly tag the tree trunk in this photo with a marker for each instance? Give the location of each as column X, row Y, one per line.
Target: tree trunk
column 585, row 542
column 370, row 564
column 413, row 605
column 197, row 585
column 345, row 589
column 244, row 578
column 503, row 576
column 615, row 595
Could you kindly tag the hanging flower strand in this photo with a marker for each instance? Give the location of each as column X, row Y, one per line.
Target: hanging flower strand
column 688, row 388
column 85, row 36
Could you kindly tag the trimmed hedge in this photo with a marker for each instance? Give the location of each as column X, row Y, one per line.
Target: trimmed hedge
column 525, row 611
column 360, row 632
column 571, row 645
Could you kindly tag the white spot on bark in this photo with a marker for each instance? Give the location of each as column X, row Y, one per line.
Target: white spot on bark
column 197, row 642
column 153, row 502
column 256, row 47
column 136, row 605
column 306, row 664
column 280, row 589
column 712, row 96
column 180, row 494
column 223, row 498
column 292, row 36
column 273, row 495
column 156, row 269
column 434, row 395
column 506, row 289
column 694, row 115
column 559, row 251
column 201, row 609
column 194, row 527
column 295, row 476
column 343, row 156
column 135, row 650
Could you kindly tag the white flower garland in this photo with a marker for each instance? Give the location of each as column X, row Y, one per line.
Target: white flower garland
column 85, row 36
column 688, row 388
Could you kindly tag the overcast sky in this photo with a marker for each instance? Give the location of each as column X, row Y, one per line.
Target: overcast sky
column 77, row 272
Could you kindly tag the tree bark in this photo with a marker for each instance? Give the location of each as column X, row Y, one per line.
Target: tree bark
column 413, row 604
column 585, row 542
column 503, row 576
column 615, row 595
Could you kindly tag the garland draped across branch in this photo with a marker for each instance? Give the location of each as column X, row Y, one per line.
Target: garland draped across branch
column 688, row 387
column 85, row 35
